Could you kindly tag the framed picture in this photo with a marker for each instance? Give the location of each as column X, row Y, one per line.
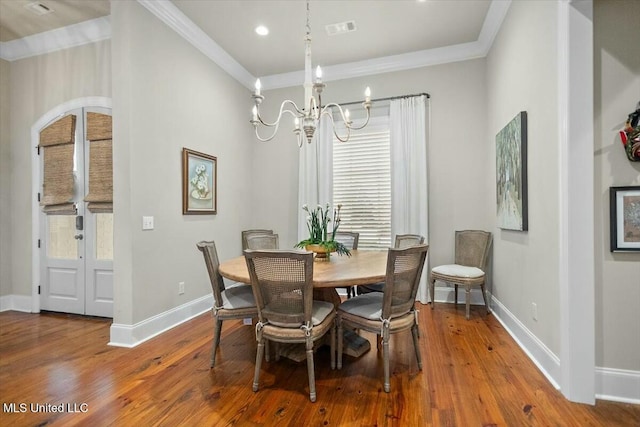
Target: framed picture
column 199, row 180
column 511, row 174
column 624, row 211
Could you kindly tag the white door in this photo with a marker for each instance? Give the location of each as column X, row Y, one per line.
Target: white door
column 77, row 248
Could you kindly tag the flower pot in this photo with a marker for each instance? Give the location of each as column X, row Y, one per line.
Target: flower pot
column 322, row 253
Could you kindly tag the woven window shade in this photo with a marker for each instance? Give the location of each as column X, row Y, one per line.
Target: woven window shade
column 57, row 141
column 100, row 196
column 98, row 127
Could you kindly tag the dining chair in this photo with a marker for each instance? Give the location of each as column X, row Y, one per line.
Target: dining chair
column 282, row 283
column 471, row 255
column 262, row 241
column 229, row 303
column 390, row 311
column 350, row 240
column 253, row 232
column 402, row 241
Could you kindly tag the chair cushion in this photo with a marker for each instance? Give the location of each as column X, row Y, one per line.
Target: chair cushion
column 458, row 271
column 368, row 305
column 238, row 297
column 319, row 311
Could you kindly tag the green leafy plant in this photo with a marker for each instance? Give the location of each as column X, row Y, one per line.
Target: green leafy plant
column 318, row 221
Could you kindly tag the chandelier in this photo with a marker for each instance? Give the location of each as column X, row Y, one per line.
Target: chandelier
column 307, row 118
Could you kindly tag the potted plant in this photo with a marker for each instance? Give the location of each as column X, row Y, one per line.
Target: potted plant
column 320, row 241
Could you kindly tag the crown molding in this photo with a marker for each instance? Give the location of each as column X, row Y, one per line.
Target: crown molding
column 423, row 58
column 168, row 13
column 386, row 64
column 85, row 32
column 492, row 23
column 100, row 29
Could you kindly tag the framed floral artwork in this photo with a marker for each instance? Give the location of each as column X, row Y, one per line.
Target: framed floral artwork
column 624, row 209
column 199, row 181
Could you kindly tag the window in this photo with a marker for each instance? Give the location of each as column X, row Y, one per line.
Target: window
column 362, row 184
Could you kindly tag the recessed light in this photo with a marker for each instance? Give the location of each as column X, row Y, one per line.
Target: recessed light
column 261, row 30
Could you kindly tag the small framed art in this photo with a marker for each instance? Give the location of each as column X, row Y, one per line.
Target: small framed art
column 624, row 211
column 199, row 183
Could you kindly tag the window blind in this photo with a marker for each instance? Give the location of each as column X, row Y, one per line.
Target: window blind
column 57, row 140
column 362, row 184
column 99, row 134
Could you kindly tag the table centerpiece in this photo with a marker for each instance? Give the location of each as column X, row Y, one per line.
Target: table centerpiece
column 320, row 241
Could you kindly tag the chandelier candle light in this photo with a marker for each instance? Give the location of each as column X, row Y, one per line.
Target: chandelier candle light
column 313, row 109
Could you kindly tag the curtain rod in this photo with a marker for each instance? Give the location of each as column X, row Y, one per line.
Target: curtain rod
column 389, row 98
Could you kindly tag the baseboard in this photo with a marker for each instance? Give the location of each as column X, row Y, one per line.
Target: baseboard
column 611, row 384
column 16, row 303
column 618, row 385
column 133, row 335
column 547, row 362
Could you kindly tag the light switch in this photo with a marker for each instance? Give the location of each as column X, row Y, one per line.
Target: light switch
column 147, row 223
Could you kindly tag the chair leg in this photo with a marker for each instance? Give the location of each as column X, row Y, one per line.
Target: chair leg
column 310, row 369
column 348, row 292
column 455, row 295
column 467, row 296
column 333, row 345
column 216, row 341
column 385, row 358
column 414, row 332
column 259, row 356
column 340, row 341
column 484, row 297
column 432, row 290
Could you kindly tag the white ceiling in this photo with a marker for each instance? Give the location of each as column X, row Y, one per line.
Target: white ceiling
column 384, row 28
column 390, row 35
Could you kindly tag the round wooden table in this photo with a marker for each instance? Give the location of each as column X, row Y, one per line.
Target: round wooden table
column 361, row 268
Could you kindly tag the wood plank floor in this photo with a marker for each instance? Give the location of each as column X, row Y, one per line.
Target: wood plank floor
column 474, row 375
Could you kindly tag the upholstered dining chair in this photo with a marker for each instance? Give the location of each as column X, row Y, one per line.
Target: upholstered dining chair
column 390, row 311
column 471, row 255
column 254, row 232
column 262, row 241
column 402, row 241
column 229, row 303
column 350, row 240
column 282, row 283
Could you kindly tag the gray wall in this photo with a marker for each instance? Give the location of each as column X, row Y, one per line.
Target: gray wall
column 458, row 154
column 522, row 76
column 5, row 182
column 617, row 91
column 166, row 96
column 39, row 84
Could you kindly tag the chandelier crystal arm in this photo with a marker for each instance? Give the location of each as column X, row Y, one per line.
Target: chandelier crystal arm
column 257, row 119
column 295, row 112
column 328, row 109
column 306, row 119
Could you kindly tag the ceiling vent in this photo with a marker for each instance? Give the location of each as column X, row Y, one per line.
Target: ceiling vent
column 340, row 28
column 37, row 8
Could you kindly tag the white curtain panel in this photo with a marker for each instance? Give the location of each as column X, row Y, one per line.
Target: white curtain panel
column 408, row 119
column 315, row 173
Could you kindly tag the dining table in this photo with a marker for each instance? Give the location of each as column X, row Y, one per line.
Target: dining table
column 362, row 267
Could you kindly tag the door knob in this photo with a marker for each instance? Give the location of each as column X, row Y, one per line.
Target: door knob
column 78, row 237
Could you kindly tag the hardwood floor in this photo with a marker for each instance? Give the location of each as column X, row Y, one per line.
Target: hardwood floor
column 474, row 375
